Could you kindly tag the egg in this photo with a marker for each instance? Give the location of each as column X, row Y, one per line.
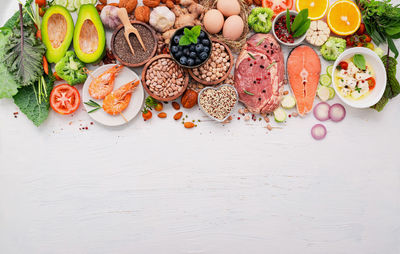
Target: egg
column 213, row 21
column 228, row 7
column 233, row 27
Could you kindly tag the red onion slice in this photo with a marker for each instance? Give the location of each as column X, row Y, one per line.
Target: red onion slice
column 318, row 131
column 321, row 111
column 337, row 112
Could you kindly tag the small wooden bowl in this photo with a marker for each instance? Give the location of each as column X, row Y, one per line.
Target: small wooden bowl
column 134, row 64
column 215, row 82
column 185, row 84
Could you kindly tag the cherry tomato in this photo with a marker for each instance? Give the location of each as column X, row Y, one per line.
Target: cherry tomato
column 147, row 115
column 41, row 11
column 343, row 65
column 159, row 107
column 367, row 38
column 349, row 41
column 41, row 3
column 371, row 83
column 361, row 30
column 277, row 5
column 65, row 99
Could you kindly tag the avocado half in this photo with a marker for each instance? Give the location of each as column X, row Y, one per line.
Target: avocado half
column 57, row 31
column 89, row 35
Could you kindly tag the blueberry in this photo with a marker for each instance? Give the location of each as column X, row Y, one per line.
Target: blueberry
column 190, row 62
column 178, row 54
column 199, row 47
column 203, row 56
column 174, row 49
column 206, row 49
column 186, row 52
column 176, row 39
column 202, row 35
column 197, row 61
column 193, row 54
column 183, row 60
column 205, row 42
column 192, row 48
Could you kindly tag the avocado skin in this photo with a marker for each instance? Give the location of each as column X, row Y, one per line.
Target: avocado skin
column 88, row 11
column 54, row 55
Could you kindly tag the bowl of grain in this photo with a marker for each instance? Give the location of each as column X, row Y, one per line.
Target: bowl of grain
column 218, row 102
column 163, row 79
column 218, row 66
column 121, row 50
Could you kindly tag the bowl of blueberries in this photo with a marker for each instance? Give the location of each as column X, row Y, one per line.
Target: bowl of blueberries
column 188, row 54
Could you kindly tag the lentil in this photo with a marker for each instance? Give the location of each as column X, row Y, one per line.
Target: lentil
column 218, row 103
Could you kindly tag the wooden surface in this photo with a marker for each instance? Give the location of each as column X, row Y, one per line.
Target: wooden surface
column 155, row 187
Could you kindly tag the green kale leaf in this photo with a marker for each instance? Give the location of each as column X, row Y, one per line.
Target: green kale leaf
column 8, row 86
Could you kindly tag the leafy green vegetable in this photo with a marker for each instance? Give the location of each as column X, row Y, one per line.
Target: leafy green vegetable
column 359, row 61
column 260, row 19
column 392, row 85
column 8, row 86
column 151, row 102
column 301, row 17
column 302, row 29
column 71, row 69
column 332, row 48
column 190, row 36
column 382, row 21
column 23, row 54
column 27, row 102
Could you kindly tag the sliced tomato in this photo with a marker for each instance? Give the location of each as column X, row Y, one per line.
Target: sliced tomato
column 65, row 99
column 371, row 83
column 343, row 65
column 277, row 5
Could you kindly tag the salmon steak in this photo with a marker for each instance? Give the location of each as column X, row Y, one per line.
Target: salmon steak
column 259, row 74
column 303, row 70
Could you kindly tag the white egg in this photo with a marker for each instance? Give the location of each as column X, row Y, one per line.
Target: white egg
column 228, row 7
column 213, row 21
column 233, row 27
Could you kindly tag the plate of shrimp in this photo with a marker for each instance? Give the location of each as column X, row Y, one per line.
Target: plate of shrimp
column 113, row 95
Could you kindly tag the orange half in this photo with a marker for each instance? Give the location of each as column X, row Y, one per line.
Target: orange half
column 344, row 17
column 316, row 8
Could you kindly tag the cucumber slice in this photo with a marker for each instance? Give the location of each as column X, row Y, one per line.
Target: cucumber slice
column 279, row 115
column 329, row 70
column 325, row 80
column 63, row 3
column 71, row 6
column 77, row 4
column 288, row 102
column 88, row 2
column 323, row 93
column 331, row 93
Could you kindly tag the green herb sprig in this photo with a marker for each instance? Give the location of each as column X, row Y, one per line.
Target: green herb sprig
column 190, row 36
column 93, row 104
column 300, row 24
column 359, row 61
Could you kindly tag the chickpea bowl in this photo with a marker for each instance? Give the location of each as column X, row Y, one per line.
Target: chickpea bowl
column 163, row 79
column 218, row 66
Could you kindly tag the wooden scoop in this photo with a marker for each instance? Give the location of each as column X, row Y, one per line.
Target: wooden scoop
column 123, row 16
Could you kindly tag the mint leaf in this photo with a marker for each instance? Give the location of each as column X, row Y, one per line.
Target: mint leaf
column 187, row 32
column 193, row 39
column 184, row 41
column 359, row 61
column 26, row 100
column 196, row 31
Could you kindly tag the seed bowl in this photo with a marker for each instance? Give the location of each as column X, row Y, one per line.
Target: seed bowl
column 297, row 41
column 217, row 100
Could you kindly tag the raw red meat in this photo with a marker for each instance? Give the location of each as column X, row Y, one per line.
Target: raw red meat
column 259, row 74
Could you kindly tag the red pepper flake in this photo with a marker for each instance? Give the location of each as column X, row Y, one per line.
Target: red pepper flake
column 255, row 62
column 238, row 118
column 265, row 77
column 258, row 78
column 91, row 123
column 290, row 116
column 269, row 73
column 248, row 59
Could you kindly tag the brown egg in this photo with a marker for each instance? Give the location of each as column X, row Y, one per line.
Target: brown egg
column 228, row 7
column 233, row 27
column 213, row 21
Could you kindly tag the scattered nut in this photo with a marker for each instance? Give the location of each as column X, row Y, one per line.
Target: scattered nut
column 266, row 119
column 142, row 13
column 162, row 115
column 189, row 98
column 151, row 3
column 188, row 125
column 129, row 5
column 176, row 105
column 114, row 4
column 285, row 92
column 269, row 127
column 100, row 7
column 178, row 115
column 170, row 4
column 257, row 2
column 103, row 2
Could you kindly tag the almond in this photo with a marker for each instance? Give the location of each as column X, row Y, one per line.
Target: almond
column 188, row 125
column 162, row 115
column 178, row 115
column 176, row 105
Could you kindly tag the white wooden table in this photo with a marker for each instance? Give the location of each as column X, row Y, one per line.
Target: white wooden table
column 155, row 187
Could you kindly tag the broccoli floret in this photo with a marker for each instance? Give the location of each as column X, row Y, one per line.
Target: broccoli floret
column 71, row 69
column 332, row 48
column 260, row 20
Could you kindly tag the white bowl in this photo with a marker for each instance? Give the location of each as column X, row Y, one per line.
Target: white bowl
column 380, row 77
column 297, row 41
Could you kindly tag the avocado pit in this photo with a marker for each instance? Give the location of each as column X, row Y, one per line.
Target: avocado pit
column 88, row 37
column 57, row 29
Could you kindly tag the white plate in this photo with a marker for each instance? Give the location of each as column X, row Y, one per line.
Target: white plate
column 380, row 77
column 126, row 75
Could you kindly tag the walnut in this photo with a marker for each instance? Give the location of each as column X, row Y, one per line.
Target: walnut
column 170, row 4
column 151, row 3
column 142, row 13
column 129, row 5
column 103, row 2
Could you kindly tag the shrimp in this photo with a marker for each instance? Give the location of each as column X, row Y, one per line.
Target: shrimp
column 101, row 86
column 118, row 100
